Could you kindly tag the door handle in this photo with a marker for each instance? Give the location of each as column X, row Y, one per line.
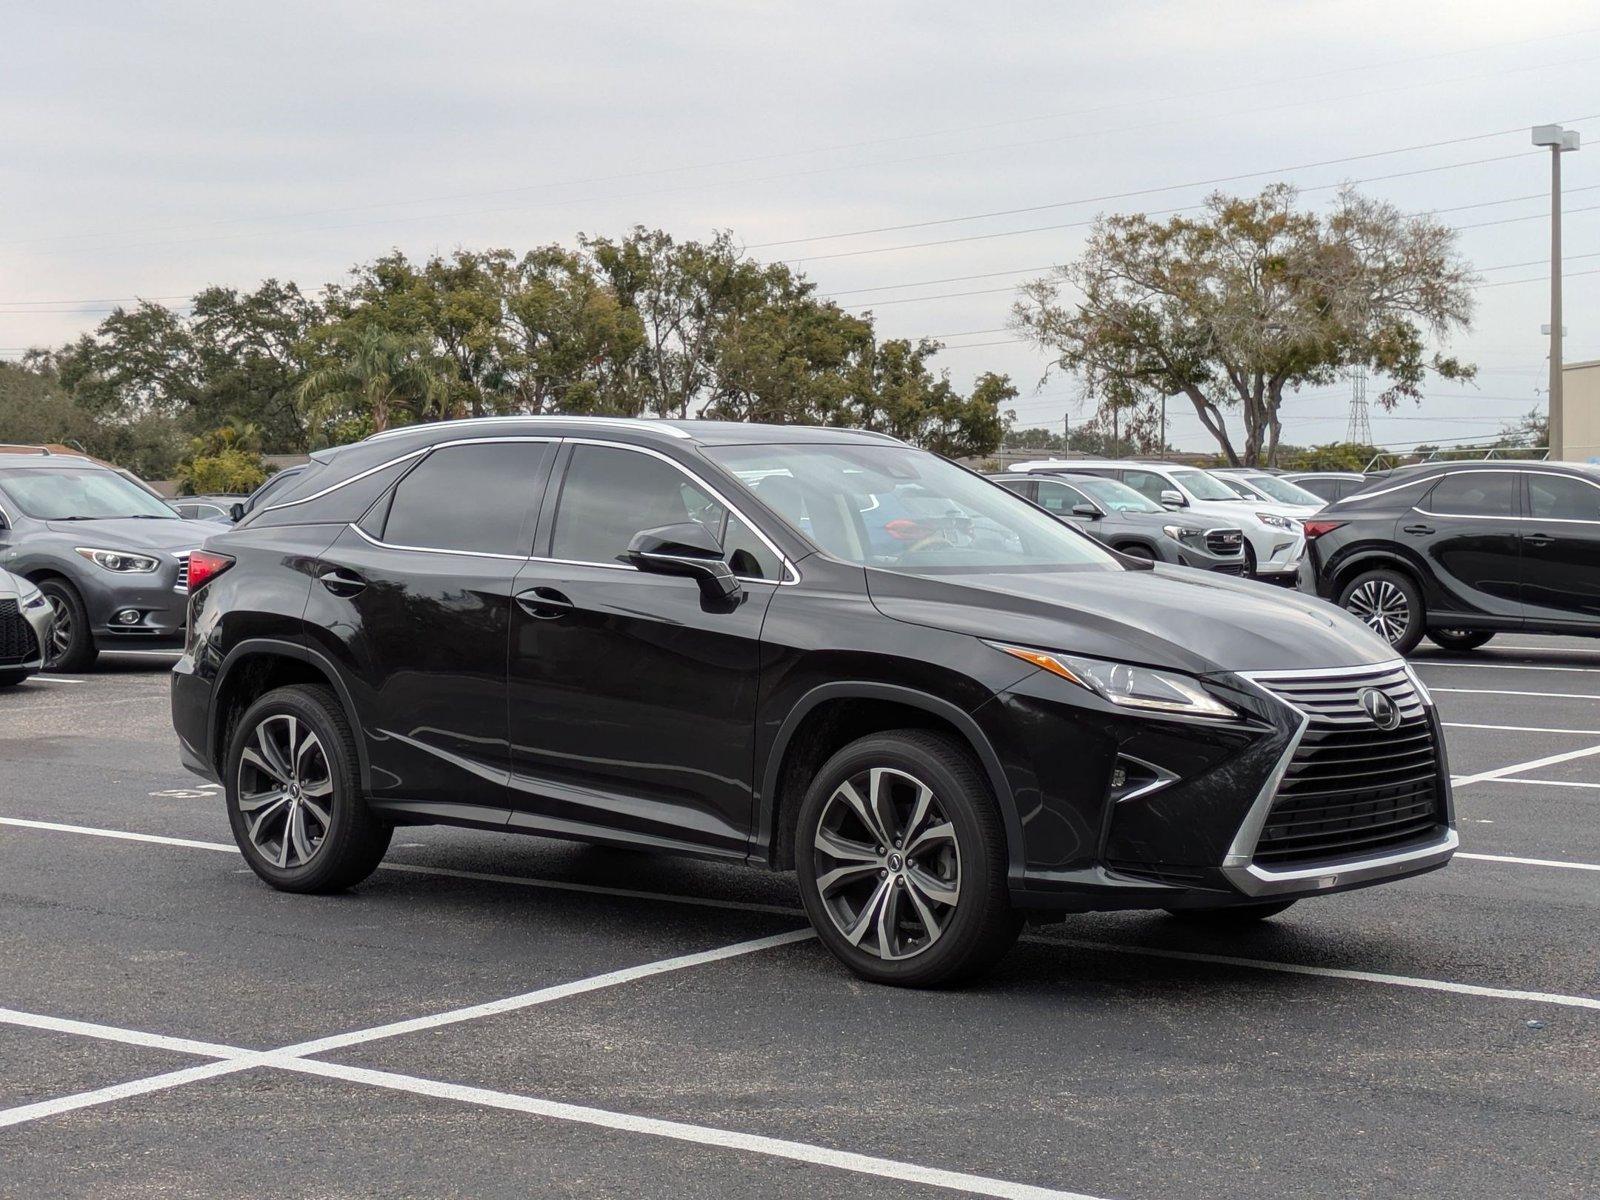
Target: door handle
column 1418, row 529
column 545, row 603
column 342, row 582
column 1537, row 539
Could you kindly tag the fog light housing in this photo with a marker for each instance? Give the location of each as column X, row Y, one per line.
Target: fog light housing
column 1133, row 777
column 128, row 616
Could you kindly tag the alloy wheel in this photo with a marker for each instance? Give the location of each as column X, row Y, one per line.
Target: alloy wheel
column 61, row 630
column 285, row 789
column 1383, row 606
column 888, row 867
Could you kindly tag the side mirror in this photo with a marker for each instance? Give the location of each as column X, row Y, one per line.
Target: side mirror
column 685, row 549
column 236, row 511
column 1086, row 510
column 1173, row 498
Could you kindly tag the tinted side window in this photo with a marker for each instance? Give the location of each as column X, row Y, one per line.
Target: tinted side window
column 473, row 498
column 1146, row 483
column 609, row 495
column 1328, row 489
column 1026, row 488
column 1058, row 497
column 1474, row 494
column 1560, row 498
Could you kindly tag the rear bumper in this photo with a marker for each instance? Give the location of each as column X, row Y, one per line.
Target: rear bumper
column 191, row 719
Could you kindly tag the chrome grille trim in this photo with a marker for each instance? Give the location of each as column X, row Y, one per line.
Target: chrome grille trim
column 182, row 586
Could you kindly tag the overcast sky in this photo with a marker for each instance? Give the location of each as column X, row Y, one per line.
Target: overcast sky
column 151, row 149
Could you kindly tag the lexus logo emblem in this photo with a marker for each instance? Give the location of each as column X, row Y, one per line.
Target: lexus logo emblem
column 1385, row 713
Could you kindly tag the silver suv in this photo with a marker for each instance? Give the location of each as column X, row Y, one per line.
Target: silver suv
column 110, row 557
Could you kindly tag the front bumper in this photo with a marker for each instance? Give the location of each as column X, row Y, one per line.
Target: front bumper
column 26, row 638
column 160, row 599
column 1212, row 836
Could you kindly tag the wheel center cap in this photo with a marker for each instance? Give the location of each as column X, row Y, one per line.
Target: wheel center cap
column 896, row 863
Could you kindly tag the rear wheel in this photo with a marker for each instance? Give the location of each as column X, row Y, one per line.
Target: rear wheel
column 1459, row 639
column 69, row 646
column 1390, row 603
column 1232, row 916
column 901, row 858
column 294, row 794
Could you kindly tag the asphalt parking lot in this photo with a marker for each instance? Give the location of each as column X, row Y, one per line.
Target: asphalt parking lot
column 494, row 1015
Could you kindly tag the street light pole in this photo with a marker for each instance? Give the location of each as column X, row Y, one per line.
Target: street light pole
column 1560, row 141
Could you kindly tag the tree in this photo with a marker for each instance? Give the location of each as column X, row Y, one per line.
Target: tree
column 225, row 461
column 894, row 391
column 372, row 375
column 1249, row 301
column 251, row 351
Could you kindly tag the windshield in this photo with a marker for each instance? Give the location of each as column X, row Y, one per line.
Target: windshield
column 1202, row 486
column 1283, row 491
column 1118, row 497
column 80, row 493
column 906, row 510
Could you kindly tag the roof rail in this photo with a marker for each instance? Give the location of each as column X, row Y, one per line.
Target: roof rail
column 474, row 422
column 1471, row 453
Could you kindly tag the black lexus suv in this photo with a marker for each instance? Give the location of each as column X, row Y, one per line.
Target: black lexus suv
column 1461, row 551
column 816, row 649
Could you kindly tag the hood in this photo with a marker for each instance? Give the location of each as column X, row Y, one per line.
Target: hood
column 1193, row 621
column 132, row 533
column 10, row 586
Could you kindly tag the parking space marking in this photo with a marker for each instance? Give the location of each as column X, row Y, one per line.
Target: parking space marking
column 1518, row 728
column 1566, row 783
column 545, row 995
column 1497, row 666
column 121, row 1091
column 115, row 1033
column 1439, row 691
column 1531, row 765
column 1406, row 981
column 1529, row 862
column 55, row 679
column 559, row 885
column 703, row 1135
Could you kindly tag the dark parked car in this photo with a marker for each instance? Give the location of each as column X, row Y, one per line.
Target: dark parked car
column 1330, row 485
column 274, row 484
column 1115, row 514
column 809, row 648
column 1460, row 551
column 111, row 558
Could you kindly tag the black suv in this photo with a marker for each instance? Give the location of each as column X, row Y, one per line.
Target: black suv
column 799, row 648
column 1460, row 551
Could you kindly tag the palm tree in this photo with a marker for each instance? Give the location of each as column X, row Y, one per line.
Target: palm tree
column 372, row 371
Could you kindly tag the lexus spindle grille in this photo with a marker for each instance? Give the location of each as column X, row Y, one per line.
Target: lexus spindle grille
column 1353, row 789
column 17, row 643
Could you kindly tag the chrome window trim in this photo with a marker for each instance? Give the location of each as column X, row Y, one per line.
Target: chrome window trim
column 792, row 575
column 1254, row 880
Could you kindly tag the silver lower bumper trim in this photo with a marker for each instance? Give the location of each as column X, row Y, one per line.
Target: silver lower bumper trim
column 1255, row 880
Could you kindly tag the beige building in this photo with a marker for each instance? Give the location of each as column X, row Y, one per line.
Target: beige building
column 1575, row 431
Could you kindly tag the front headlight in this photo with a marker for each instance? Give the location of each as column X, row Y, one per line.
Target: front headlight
column 1181, row 533
column 121, row 561
column 1127, row 685
column 1276, row 521
column 31, row 597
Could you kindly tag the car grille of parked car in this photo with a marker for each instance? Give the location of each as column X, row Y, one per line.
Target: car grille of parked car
column 183, row 573
column 1224, row 541
column 1352, row 789
column 17, row 643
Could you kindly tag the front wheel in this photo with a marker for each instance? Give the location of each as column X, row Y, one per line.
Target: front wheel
column 70, row 644
column 901, row 857
column 1134, row 550
column 294, row 794
column 1390, row 604
column 1459, row 639
column 1232, row 916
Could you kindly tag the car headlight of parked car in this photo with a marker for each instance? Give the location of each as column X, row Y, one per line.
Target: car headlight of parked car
column 32, row 597
column 1277, row 522
column 1181, row 533
column 121, row 561
column 1126, row 685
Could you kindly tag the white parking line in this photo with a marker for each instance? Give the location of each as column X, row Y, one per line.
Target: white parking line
column 121, row 1091
column 55, row 679
column 1529, row 862
column 1439, row 691
column 1405, row 981
column 1531, row 765
column 1518, row 728
column 1494, row 666
column 1566, row 783
column 702, row 1135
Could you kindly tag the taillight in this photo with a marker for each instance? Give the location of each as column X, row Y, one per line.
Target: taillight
column 205, row 566
column 1315, row 529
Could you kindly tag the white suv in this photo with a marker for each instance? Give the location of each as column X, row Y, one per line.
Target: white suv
column 1273, row 536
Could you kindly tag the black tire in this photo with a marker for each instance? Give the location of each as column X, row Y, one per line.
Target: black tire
column 1134, row 550
column 76, row 650
column 12, row 678
column 975, row 931
column 1390, row 603
column 1460, row 639
column 1232, row 916
column 1249, row 560
column 353, row 840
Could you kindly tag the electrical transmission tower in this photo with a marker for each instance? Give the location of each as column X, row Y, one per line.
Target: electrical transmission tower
column 1359, row 430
